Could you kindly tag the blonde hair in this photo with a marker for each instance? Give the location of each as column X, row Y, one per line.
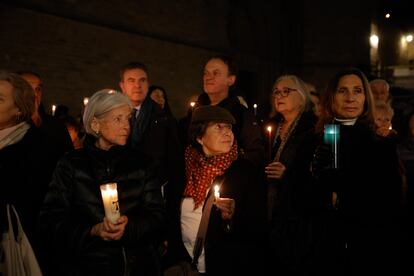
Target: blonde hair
column 300, row 86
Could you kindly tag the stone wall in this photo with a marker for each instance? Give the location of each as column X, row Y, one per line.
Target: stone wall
column 78, row 46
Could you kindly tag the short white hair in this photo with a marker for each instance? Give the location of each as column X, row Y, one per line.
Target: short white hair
column 380, row 83
column 100, row 103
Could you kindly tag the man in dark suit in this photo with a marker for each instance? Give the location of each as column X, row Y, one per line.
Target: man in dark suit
column 152, row 130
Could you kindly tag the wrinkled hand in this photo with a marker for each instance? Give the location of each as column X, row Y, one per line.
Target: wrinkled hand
column 227, row 206
column 275, row 170
column 109, row 231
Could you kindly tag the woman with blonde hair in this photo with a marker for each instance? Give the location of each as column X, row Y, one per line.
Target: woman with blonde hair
column 289, row 179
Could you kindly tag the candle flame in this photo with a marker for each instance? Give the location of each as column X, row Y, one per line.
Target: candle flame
column 216, row 191
column 255, row 106
column 85, row 101
column 192, row 104
column 269, row 129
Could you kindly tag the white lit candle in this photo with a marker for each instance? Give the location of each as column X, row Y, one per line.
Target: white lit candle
column 255, row 109
column 110, row 201
column 85, row 101
column 53, row 109
column 216, row 192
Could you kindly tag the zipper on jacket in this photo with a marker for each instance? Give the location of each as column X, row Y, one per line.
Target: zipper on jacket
column 126, row 272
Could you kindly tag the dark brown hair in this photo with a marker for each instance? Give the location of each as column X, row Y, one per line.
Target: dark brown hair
column 23, row 96
column 327, row 101
column 231, row 65
column 196, row 131
column 131, row 66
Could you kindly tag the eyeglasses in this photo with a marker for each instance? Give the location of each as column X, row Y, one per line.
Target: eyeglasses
column 282, row 93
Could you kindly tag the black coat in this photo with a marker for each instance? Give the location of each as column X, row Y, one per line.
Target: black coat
column 56, row 133
column 361, row 235
column 156, row 134
column 74, row 205
column 242, row 249
column 291, row 200
column 25, row 172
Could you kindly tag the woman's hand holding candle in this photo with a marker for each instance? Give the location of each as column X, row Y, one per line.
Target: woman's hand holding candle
column 385, row 131
column 275, row 170
column 109, row 231
column 227, row 207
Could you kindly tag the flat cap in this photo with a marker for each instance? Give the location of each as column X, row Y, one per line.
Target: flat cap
column 212, row 113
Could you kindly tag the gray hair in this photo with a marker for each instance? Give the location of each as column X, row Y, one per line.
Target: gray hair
column 380, row 83
column 300, row 86
column 100, row 103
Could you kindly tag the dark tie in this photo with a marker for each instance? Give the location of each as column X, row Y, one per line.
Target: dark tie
column 134, row 125
column 134, row 116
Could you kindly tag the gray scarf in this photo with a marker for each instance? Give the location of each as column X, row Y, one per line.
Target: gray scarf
column 12, row 135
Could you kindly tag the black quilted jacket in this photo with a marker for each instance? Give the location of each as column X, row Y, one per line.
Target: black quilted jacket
column 74, row 205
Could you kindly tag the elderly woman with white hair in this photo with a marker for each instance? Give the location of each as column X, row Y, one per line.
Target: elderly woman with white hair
column 84, row 240
column 291, row 147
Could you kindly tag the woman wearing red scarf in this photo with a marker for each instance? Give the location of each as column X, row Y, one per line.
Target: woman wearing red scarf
column 236, row 228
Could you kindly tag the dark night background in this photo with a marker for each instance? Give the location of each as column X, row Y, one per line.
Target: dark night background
column 78, row 46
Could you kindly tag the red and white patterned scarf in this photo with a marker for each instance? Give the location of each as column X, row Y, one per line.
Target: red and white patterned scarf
column 201, row 171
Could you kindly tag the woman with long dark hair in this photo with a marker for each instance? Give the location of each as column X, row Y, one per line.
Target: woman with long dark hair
column 358, row 226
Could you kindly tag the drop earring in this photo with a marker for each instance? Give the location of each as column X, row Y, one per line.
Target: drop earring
column 18, row 117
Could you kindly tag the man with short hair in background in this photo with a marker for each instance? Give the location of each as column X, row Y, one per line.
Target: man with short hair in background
column 152, row 130
column 55, row 131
